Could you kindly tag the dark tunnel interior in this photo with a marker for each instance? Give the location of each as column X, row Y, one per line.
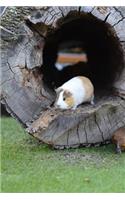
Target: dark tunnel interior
column 97, row 38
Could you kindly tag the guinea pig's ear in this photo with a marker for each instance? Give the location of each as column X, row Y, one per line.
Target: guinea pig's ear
column 59, row 89
column 67, row 94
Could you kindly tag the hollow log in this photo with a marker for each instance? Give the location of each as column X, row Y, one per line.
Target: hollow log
column 27, row 97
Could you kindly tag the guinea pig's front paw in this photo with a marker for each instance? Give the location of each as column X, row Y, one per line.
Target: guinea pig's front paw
column 74, row 108
column 118, row 149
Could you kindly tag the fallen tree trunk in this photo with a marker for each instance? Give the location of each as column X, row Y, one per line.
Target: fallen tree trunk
column 28, row 98
column 84, row 127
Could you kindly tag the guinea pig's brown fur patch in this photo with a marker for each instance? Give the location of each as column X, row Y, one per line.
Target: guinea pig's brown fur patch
column 68, row 98
column 119, row 137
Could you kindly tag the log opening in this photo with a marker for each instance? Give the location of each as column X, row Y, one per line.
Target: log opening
column 97, row 38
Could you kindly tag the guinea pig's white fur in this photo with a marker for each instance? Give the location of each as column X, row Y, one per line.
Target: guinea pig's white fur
column 74, row 92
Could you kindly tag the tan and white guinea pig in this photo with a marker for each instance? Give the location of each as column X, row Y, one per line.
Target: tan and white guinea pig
column 74, row 92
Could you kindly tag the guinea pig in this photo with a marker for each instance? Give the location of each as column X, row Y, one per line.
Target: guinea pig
column 74, row 92
column 118, row 139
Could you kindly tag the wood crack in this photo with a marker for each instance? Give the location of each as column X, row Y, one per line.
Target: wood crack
column 3, row 11
column 117, row 10
column 107, row 16
column 102, row 134
column 85, row 131
column 68, row 138
column 109, row 119
column 61, row 12
column 116, row 122
column 77, row 132
column 11, row 71
column 105, row 122
column 53, row 136
column 53, row 17
column 6, row 30
column 118, row 21
column 10, row 67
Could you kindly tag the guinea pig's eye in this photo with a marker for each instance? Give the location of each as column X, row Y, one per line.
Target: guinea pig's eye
column 64, row 98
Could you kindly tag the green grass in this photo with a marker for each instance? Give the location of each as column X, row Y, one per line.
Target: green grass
column 28, row 166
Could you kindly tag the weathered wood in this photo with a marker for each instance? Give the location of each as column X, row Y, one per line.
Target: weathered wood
column 22, row 90
column 87, row 125
column 23, row 32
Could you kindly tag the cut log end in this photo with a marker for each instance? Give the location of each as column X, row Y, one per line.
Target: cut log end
column 30, row 52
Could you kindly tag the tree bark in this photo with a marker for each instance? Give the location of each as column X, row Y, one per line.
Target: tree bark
column 28, row 99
